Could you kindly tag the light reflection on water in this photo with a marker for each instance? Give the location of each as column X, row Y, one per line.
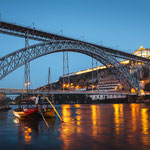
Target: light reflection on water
column 106, row 126
column 25, row 130
column 118, row 117
column 100, row 126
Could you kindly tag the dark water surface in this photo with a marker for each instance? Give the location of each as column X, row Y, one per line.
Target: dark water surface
column 89, row 127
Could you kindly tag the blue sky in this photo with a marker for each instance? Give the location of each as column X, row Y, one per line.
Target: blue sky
column 117, row 23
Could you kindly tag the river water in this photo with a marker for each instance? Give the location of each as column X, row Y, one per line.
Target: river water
column 89, row 127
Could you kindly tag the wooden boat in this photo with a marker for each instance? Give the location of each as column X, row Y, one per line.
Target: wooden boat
column 26, row 113
column 48, row 112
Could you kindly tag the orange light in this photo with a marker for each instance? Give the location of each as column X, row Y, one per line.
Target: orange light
column 93, row 86
column 133, row 90
column 67, row 85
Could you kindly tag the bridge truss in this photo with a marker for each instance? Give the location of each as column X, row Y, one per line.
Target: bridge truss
column 55, row 43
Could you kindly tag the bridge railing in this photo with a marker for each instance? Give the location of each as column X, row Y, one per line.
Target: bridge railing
column 45, row 92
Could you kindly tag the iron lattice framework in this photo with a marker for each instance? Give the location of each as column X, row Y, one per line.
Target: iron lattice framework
column 65, row 68
column 18, row 58
column 39, row 35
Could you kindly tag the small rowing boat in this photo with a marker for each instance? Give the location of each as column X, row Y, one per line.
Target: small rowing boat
column 26, row 113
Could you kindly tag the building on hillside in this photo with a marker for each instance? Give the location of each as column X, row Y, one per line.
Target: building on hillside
column 142, row 70
column 143, row 52
column 100, row 78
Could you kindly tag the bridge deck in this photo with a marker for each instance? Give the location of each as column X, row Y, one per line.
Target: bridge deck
column 22, row 91
column 35, row 34
column 21, row 31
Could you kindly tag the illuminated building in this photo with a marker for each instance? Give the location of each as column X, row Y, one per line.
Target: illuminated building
column 143, row 52
column 107, row 82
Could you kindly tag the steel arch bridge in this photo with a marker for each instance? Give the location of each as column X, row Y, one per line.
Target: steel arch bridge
column 56, row 43
column 18, row 58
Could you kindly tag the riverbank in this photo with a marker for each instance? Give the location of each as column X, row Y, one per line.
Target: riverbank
column 84, row 99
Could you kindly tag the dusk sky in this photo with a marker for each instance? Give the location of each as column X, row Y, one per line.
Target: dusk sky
column 122, row 24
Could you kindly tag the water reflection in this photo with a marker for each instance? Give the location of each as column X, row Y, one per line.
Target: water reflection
column 95, row 118
column 66, row 130
column 72, row 124
column 135, row 110
column 145, row 126
column 144, row 120
column 25, row 129
column 78, row 116
column 27, row 135
column 66, row 113
column 128, row 120
column 101, row 126
column 78, row 123
column 118, row 117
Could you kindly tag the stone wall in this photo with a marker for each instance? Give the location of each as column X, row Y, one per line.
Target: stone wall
column 3, row 102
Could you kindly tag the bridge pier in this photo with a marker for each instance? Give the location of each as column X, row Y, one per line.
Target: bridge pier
column 3, row 102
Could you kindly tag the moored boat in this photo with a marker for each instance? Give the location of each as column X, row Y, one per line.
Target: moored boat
column 26, row 113
column 48, row 111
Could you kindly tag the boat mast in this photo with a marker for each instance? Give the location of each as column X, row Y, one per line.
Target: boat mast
column 48, row 80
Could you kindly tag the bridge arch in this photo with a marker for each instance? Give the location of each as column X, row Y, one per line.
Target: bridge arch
column 14, row 60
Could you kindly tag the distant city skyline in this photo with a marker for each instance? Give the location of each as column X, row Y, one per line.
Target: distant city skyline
column 123, row 25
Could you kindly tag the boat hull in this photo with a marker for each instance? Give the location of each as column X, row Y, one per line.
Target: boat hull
column 30, row 113
column 48, row 113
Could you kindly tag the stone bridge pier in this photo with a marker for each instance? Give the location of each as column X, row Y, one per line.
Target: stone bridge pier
column 3, row 102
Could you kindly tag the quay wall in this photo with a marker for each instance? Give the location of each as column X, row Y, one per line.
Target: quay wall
column 86, row 99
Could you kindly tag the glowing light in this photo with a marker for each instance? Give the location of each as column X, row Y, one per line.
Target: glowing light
column 95, row 115
column 77, row 105
column 116, row 87
column 134, row 115
column 67, row 85
column 143, row 52
column 144, row 119
column 66, row 114
column 27, row 83
column 118, row 116
column 133, row 90
column 69, row 127
column 141, row 47
column 142, row 92
column 77, row 87
column 90, row 70
column 27, row 135
column 93, row 86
